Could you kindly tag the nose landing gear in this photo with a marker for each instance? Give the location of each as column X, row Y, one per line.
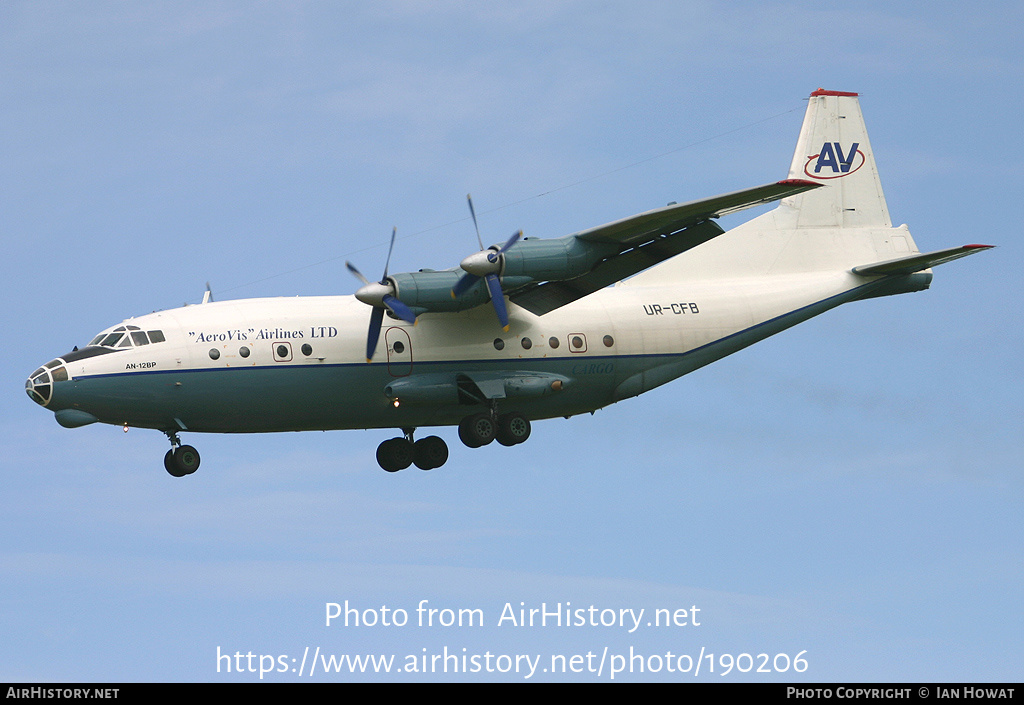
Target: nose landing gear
column 180, row 460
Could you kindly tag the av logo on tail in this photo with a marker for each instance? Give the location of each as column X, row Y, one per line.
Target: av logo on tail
column 832, row 163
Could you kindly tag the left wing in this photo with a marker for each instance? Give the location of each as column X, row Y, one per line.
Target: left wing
column 646, row 239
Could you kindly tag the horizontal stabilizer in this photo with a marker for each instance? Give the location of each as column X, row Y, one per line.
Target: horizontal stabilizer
column 916, row 263
column 641, row 228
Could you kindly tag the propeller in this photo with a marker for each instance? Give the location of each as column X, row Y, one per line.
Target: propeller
column 380, row 295
column 486, row 265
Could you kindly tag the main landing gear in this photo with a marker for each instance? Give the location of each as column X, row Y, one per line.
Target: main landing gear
column 180, row 460
column 480, row 429
column 431, row 452
column 399, row 453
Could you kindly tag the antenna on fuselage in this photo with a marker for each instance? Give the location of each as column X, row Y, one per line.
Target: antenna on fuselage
column 208, row 294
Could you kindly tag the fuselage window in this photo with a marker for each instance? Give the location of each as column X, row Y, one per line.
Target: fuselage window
column 499, row 344
column 243, row 351
column 307, row 349
column 214, row 353
column 527, row 343
column 553, row 342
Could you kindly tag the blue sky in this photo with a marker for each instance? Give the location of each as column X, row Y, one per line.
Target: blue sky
column 850, row 488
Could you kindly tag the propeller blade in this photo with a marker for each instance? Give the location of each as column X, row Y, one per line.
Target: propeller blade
column 399, row 309
column 376, row 318
column 376, row 295
column 359, row 275
column 394, row 231
column 493, row 256
column 473, row 213
column 498, row 299
column 464, row 284
column 511, row 241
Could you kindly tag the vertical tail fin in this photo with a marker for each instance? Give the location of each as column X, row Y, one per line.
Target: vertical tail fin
column 833, row 149
column 842, row 225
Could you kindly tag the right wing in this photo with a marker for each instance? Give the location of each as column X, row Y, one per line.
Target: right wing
column 638, row 229
column 649, row 238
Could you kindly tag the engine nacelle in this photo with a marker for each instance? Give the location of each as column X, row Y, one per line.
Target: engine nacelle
column 529, row 261
column 555, row 260
column 427, row 290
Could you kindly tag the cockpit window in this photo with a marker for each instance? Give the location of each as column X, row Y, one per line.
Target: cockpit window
column 111, row 340
column 126, row 337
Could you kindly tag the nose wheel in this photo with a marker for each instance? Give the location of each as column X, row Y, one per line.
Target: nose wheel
column 180, row 460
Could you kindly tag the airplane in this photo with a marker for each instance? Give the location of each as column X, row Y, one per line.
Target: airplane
column 521, row 331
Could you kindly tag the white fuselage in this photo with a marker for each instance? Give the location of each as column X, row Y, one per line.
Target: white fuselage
column 298, row 363
column 259, row 365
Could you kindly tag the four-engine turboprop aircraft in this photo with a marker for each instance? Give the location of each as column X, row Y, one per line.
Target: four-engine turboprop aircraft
column 531, row 329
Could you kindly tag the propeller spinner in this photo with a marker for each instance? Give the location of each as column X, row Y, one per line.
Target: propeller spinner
column 380, row 295
column 486, row 265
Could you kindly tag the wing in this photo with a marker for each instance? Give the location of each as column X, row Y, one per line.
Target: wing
column 646, row 239
column 640, row 228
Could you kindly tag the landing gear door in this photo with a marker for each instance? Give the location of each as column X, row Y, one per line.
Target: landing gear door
column 399, row 351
